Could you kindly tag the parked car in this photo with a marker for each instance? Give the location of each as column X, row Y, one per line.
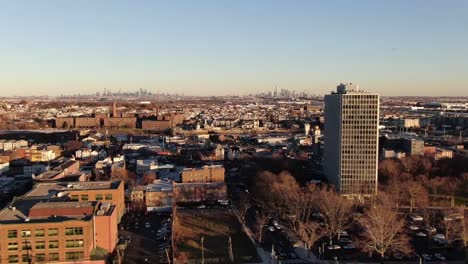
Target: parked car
column 415, row 217
column 343, row 233
column 349, row 246
column 271, row 229
column 147, row 225
column 426, row 257
column 398, row 256
column 439, row 256
column 345, row 240
column 421, row 234
column 333, row 247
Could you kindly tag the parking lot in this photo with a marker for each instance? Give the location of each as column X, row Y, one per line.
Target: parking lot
column 145, row 244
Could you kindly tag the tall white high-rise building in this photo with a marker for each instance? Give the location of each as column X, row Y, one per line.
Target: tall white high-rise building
column 351, row 140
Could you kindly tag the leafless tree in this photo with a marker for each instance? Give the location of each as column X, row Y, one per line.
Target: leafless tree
column 148, row 178
column 309, row 232
column 336, row 211
column 416, row 194
column 395, row 189
column 383, row 231
column 261, row 219
column 454, row 229
column 243, row 205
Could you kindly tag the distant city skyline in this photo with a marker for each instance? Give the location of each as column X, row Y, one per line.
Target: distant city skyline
column 212, row 47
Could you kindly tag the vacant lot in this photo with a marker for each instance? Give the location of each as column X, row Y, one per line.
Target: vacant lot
column 215, row 226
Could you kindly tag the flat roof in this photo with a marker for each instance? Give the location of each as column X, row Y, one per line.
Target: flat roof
column 159, row 186
column 52, row 188
column 18, row 211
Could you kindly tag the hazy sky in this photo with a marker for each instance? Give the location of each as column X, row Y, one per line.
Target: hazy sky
column 196, row 47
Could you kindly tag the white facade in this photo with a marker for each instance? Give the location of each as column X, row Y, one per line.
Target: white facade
column 351, row 140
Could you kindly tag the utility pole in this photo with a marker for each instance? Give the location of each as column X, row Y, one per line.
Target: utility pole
column 27, row 251
column 231, row 255
column 202, row 251
column 167, row 255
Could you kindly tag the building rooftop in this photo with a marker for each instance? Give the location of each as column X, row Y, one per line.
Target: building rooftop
column 159, row 186
column 42, row 210
column 53, row 188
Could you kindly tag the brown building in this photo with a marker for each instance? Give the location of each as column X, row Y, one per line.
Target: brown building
column 214, row 173
column 5, row 157
column 159, row 196
column 60, row 171
column 120, row 122
column 56, row 149
column 199, row 192
column 156, row 125
column 87, row 122
column 102, row 191
column 64, row 122
column 56, row 229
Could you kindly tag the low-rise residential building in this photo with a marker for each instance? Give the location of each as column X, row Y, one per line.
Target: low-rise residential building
column 200, row 192
column 159, row 196
column 146, row 166
column 213, row 173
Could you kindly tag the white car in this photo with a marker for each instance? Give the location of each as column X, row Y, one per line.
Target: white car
column 439, row 256
column 426, row 257
column 431, row 230
column 271, row 229
column 333, row 247
column 421, row 234
column 439, row 236
column 147, row 225
column 415, row 217
column 414, row 227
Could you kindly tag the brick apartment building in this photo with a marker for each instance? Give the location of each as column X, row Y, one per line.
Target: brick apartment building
column 214, row 173
column 62, row 222
column 156, row 125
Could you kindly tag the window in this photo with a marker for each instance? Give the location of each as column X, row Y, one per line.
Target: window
column 74, row 243
column 26, row 246
column 40, row 244
column 84, row 197
column 74, row 197
column 40, row 257
column 53, row 256
column 98, row 197
column 52, row 232
column 25, row 258
column 12, row 246
column 73, row 231
column 73, row 255
column 25, row 233
column 53, row 244
column 12, row 234
column 39, row 233
column 108, row 196
column 13, row 259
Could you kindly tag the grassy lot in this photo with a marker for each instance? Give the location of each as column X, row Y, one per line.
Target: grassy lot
column 215, row 226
